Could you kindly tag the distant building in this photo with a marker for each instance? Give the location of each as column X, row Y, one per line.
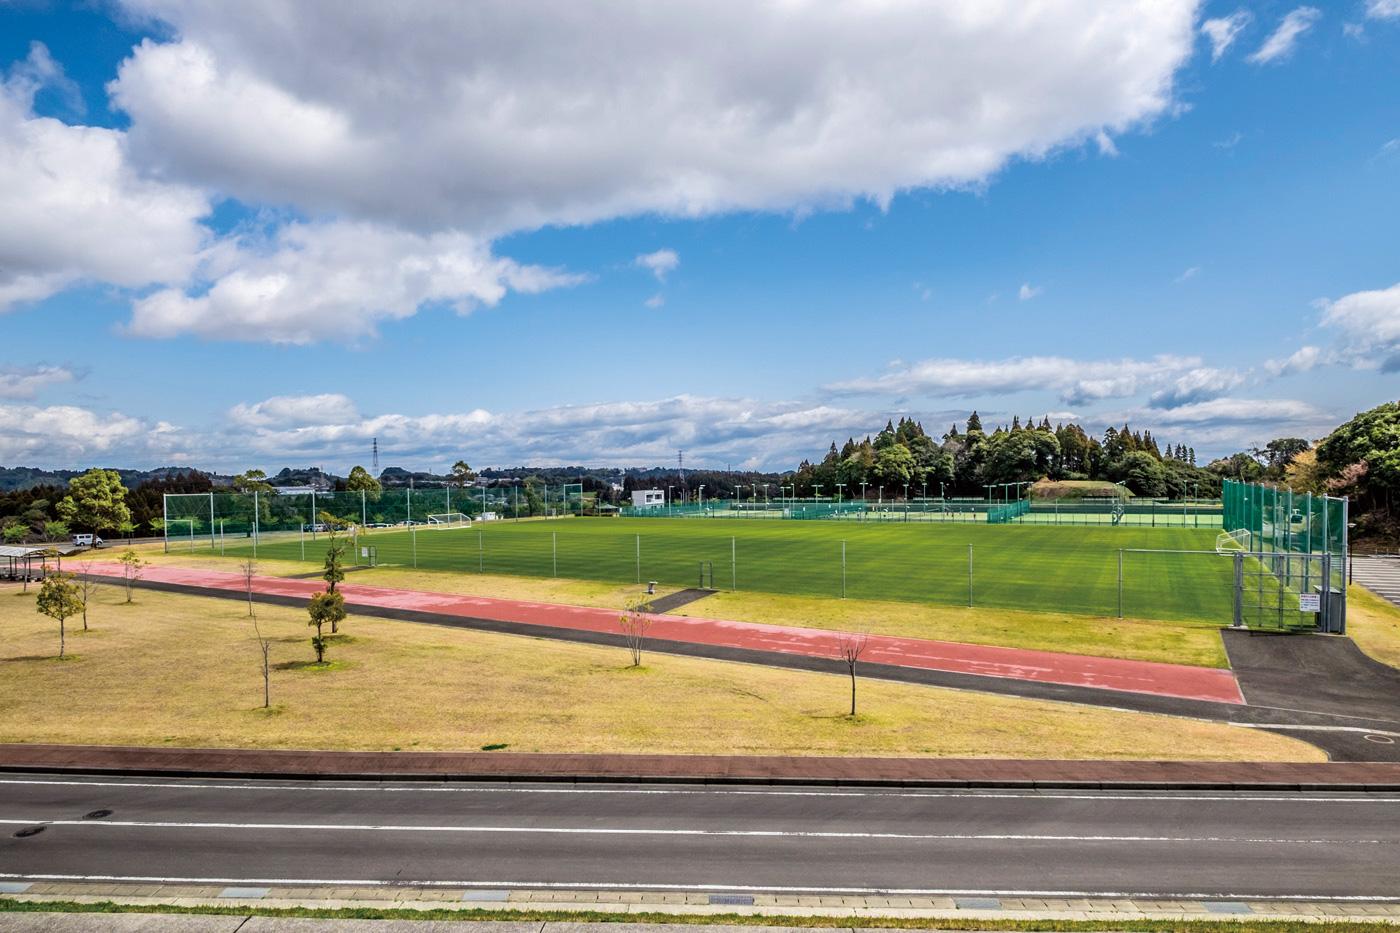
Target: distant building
column 648, row 498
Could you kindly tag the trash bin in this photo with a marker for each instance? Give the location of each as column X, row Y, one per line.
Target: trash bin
column 1333, row 617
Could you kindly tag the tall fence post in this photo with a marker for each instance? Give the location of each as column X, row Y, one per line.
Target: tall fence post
column 733, row 563
column 969, row 576
column 639, row 558
column 256, row 509
column 413, row 539
column 1239, row 590
column 211, row 520
column 843, row 568
column 165, row 519
column 1120, row 583
column 554, row 545
column 364, row 516
column 480, row 554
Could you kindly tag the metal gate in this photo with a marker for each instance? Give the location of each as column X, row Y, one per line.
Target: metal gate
column 1289, row 592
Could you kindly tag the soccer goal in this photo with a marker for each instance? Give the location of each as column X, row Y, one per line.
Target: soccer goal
column 1230, row 542
column 449, row 518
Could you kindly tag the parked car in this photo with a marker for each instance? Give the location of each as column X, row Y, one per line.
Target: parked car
column 88, row 541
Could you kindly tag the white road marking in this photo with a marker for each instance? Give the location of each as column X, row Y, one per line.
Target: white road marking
column 743, row 888
column 628, row 831
column 318, row 788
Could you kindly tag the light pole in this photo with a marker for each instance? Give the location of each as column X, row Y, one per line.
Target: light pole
column 839, row 487
column 863, row 484
column 817, row 491
column 669, row 499
column 702, row 497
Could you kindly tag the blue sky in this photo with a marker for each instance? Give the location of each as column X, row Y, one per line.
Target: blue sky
column 261, row 236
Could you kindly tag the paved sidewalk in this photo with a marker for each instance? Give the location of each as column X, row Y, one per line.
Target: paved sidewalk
column 958, row 907
column 1142, row 677
column 704, row 769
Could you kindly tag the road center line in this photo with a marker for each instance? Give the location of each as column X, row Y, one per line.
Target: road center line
column 626, row 831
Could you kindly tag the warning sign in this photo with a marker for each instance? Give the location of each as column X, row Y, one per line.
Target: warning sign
column 1310, row 602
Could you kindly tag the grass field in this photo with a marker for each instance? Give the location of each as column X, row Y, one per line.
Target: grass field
column 185, row 671
column 1178, row 642
column 1059, row 569
column 1374, row 625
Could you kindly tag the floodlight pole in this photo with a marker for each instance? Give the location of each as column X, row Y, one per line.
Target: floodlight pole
column 164, row 520
column 255, row 524
column 843, row 568
column 839, row 488
column 211, row 519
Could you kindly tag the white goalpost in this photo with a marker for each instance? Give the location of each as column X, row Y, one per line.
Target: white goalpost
column 451, row 519
column 1231, row 542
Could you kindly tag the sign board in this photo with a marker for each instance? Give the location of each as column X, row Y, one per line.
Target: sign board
column 364, row 552
column 1310, row 602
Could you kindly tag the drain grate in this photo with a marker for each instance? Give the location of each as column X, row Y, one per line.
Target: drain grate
column 737, row 899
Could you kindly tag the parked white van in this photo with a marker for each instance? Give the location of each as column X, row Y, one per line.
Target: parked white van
column 87, row 541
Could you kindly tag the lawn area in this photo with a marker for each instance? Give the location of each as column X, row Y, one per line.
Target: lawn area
column 1055, row 569
column 1374, row 625
column 1195, row 643
column 181, row 670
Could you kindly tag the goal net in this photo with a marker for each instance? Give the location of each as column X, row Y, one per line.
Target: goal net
column 449, row 518
column 1230, row 542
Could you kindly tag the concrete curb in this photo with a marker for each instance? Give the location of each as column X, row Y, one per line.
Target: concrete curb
column 751, row 771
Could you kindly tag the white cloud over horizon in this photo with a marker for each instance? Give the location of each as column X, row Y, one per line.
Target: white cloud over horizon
column 26, row 382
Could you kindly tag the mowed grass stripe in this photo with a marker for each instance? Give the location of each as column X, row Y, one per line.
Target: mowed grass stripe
column 1066, row 569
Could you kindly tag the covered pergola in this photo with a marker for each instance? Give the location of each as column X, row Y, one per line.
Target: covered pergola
column 30, row 561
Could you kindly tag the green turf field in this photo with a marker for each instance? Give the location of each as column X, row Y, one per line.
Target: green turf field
column 1057, row 569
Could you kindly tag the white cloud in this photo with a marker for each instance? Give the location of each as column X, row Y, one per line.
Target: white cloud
column 660, row 263
column 328, row 408
column 1196, row 385
column 655, row 301
column 1369, row 327
column 63, row 435
column 1299, row 361
column 1284, row 39
column 494, row 117
column 1188, row 275
column 75, row 209
column 1027, row 291
column 1075, row 381
column 26, row 383
column 711, row 430
column 1383, row 9
column 1222, row 31
column 334, row 281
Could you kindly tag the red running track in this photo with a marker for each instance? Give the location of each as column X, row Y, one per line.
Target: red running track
column 1169, row 680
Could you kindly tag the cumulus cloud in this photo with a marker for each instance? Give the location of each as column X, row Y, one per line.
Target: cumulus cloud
column 1368, row 325
column 1075, row 381
column 1383, row 9
column 494, row 117
column 75, row 208
column 281, row 410
column 333, row 281
column 63, row 435
column 1230, row 424
column 711, row 430
column 1028, row 291
column 1196, row 385
column 1222, row 31
column 660, row 263
column 1299, row 361
column 26, row 382
column 1284, row 39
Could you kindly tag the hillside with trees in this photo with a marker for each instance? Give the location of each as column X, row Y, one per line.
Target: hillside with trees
column 903, row 456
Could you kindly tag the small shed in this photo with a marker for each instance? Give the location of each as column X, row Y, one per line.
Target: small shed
column 25, row 561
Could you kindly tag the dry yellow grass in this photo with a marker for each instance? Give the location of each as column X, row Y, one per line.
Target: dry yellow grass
column 1134, row 639
column 180, row 670
column 1374, row 625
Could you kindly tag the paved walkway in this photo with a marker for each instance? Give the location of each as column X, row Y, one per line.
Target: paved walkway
column 964, row 908
column 1145, row 677
column 1380, row 575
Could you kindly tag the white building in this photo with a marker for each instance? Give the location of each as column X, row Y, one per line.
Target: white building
column 648, row 498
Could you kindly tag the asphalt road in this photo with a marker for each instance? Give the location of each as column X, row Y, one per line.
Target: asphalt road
column 992, row 843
